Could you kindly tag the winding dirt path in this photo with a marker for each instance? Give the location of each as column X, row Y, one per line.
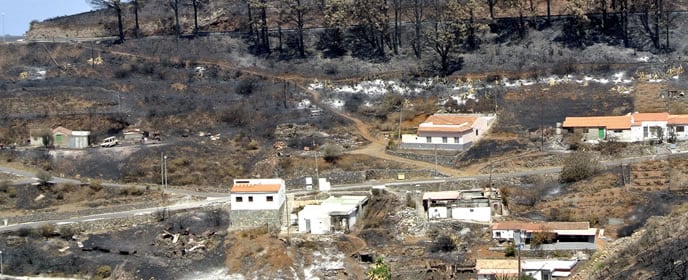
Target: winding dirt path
column 376, row 148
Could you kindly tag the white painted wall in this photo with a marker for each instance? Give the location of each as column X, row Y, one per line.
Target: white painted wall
column 415, row 139
column 481, row 214
column 318, row 219
column 503, row 234
column 260, row 200
column 438, row 213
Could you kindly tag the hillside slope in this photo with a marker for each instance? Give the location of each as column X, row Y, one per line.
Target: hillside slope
column 659, row 250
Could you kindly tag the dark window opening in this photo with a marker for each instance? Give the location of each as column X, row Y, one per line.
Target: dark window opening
column 250, row 199
column 269, row 198
column 239, row 199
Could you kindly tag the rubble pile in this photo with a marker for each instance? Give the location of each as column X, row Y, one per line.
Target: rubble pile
column 184, row 244
column 410, row 223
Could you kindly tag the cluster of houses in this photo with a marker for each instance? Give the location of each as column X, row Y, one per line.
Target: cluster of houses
column 263, row 202
column 64, row 138
column 60, row 137
column 460, row 131
column 635, row 127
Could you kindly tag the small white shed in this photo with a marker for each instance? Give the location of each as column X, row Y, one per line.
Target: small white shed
column 314, row 219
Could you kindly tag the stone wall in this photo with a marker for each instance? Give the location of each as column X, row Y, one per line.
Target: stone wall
column 357, row 177
column 256, row 218
column 40, row 215
column 444, row 160
column 47, row 32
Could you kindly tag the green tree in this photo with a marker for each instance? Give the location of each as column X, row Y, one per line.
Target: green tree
column 116, row 5
column 379, row 270
column 578, row 166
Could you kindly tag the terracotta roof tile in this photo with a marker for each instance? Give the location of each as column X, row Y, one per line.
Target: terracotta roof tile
column 448, row 123
column 613, row 122
column 643, row 117
column 678, row 119
column 255, row 188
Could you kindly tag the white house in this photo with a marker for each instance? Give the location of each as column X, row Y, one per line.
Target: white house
column 314, row 219
column 257, row 202
column 448, row 132
column 258, row 194
column 333, row 214
column 468, row 205
column 629, row 128
column 547, row 269
column 677, row 125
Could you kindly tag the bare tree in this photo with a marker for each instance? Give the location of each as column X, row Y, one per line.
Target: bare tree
column 174, row 4
column 337, row 18
column 396, row 36
column 295, row 11
column 454, row 23
column 196, row 4
column 136, row 5
column 491, row 5
column 579, row 19
column 418, row 24
column 372, row 16
column 115, row 5
column 520, row 7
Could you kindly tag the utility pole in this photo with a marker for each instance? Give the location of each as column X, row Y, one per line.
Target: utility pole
column 315, row 158
column 1, row 272
column 435, row 160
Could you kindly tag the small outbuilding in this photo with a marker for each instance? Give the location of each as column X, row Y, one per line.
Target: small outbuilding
column 333, row 214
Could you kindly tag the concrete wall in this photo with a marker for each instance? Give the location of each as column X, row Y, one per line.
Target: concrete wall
column 256, row 218
column 439, row 146
column 438, row 213
column 503, row 234
column 481, row 214
column 260, row 201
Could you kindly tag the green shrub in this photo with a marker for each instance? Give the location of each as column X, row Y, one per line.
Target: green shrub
column 510, row 250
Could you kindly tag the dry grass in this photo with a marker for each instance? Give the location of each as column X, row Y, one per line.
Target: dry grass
column 254, row 249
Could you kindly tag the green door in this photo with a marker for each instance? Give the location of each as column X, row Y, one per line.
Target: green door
column 58, row 138
column 601, row 133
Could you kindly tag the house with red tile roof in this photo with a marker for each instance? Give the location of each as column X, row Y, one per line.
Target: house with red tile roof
column 257, row 202
column 633, row 127
column 448, row 132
